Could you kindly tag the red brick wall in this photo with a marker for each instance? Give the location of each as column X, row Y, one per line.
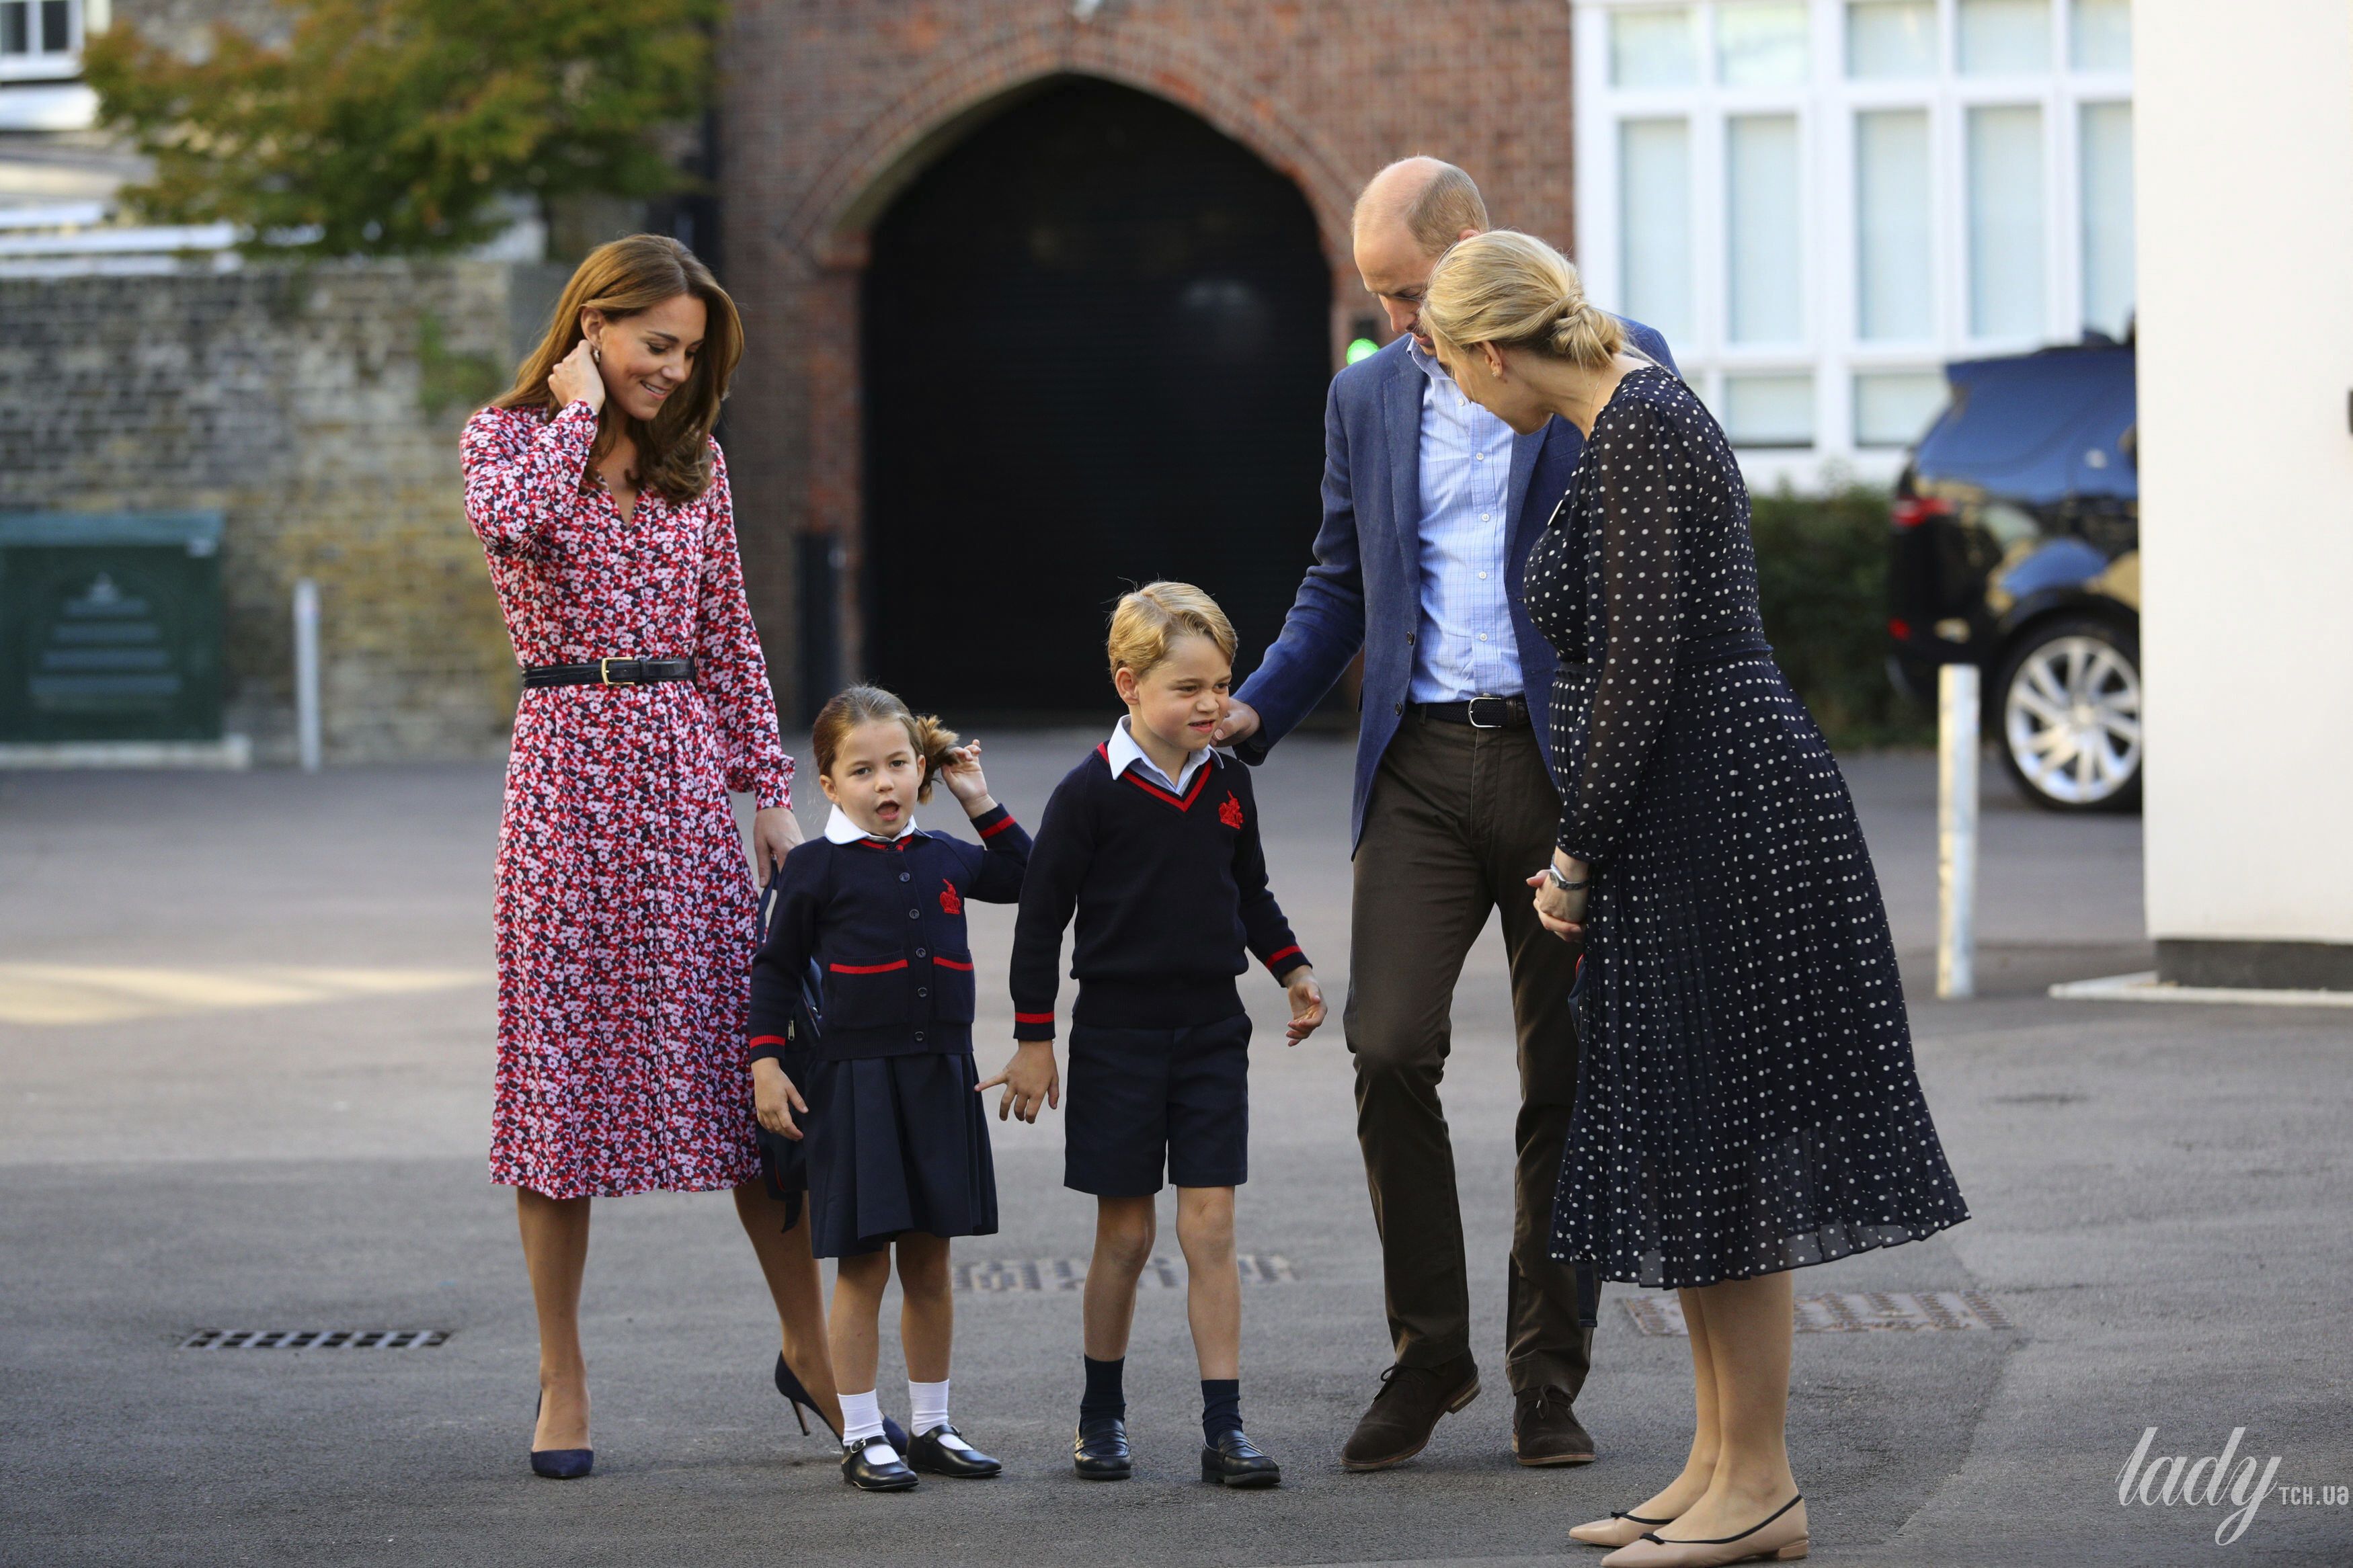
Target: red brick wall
column 831, row 106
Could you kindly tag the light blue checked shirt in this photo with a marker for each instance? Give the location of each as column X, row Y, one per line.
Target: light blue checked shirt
column 1464, row 646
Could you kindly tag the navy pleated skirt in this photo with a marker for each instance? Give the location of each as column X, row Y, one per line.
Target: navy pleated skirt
column 893, row 1145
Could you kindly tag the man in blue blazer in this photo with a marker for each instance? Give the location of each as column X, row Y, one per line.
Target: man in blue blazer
column 1431, row 505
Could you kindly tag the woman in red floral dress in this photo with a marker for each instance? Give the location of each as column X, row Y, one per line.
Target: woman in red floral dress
column 626, row 911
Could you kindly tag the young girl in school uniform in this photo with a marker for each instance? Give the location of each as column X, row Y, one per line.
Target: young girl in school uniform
column 896, row 1138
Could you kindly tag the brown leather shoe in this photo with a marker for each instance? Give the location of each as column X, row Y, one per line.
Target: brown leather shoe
column 1406, row 1411
column 1546, row 1430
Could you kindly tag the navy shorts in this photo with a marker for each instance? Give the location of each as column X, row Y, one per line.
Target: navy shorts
column 1143, row 1098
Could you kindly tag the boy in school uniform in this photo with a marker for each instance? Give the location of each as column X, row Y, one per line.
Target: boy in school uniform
column 1154, row 842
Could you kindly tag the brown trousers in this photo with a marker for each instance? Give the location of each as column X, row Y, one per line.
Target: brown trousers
column 1457, row 820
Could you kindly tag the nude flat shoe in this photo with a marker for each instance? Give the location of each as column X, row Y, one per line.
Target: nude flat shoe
column 1779, row 1538
column 1618, row 1530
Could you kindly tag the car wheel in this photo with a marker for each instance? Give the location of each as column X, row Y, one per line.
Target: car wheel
column 2070, row 695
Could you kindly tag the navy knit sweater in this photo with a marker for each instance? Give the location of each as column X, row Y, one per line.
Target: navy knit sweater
column 885, row 922
column 1169, row 891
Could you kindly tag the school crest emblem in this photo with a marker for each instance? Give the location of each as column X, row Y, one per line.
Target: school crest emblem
column 1230, row 813
column 949, row 904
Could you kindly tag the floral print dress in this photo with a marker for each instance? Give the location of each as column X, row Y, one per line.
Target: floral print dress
column 625, row 909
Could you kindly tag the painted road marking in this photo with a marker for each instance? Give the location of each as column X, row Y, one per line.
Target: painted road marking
column 67, row 994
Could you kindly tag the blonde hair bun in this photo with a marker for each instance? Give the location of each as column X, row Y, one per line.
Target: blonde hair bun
column 1514, row 291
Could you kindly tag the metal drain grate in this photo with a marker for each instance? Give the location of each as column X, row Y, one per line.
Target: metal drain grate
column 1902, row 1311
column 315, row 1339
column 1000, row 1276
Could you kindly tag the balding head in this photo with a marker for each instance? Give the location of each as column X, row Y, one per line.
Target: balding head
column 1432, row 200
column 1406, row 217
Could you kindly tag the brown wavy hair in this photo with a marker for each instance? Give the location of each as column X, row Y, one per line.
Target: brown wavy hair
column 862, row 705
column 623, row 279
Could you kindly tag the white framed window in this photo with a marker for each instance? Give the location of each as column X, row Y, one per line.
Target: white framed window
column 40, row 40
column 1820, row 203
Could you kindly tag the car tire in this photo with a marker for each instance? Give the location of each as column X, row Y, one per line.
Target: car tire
column 2067, row 713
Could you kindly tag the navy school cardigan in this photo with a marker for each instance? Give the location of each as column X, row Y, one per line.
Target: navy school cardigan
column 1169, row 892
column 885, row 923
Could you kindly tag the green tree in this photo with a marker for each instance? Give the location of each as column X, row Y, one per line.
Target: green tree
column 403, row 126
column 1821, row 571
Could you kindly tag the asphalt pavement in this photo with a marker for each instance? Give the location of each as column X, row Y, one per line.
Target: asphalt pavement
column 246, row 1042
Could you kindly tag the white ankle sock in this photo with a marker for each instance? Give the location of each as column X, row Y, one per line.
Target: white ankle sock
column 861, row 1415
column 930, row 1405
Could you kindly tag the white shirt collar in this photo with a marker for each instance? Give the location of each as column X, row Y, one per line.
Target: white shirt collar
column 1123, row 752
column 839, row 829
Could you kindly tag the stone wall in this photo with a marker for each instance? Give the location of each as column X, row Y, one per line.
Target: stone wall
column 318, row 408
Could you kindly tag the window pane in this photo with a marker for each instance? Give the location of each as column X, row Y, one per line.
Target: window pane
column 1893, row 408
column 1769, row 410
column 1891, row 38
column 12, row 27
column 1654, row 47
column 1760, row 43
column 1894, row 285
column 2103, row 34
column 1654, row 219
column 2006, row 222
column 2000, row 36
column 1765, row 257
column 57, row 27
column 2107, row 216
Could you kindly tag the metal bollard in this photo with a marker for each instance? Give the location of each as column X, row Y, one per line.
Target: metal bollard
column 306, row 673
column 1958, row 719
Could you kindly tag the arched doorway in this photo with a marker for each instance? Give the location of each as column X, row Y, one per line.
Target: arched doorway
column 1095, row 340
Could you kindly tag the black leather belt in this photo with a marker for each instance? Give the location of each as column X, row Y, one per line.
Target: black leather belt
column 1479, row 713
column 609, row 672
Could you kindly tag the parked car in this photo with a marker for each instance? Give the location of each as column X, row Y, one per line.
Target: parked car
column 2016, row 547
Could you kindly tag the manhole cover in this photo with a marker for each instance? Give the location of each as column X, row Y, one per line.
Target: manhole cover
column 1000, row 1276
column 314, row 1339
column 1856, row 1312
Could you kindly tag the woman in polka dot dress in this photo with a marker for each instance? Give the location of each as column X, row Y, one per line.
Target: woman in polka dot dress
column 1746, row 1103
column 626, row 909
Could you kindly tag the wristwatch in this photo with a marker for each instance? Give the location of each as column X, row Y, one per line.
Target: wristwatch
column 1553, row 873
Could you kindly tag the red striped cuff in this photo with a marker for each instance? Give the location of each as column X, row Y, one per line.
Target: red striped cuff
column 770, row 1041
column 1033, row 1017
column 999, row 825
column 1274, row 960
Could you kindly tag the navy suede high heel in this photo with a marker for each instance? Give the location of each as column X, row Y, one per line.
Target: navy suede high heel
column 797, row 1395
column 559, row 1464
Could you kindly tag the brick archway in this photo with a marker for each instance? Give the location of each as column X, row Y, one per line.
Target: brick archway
column 828, row 112
column 829, row 224
column 829, row 229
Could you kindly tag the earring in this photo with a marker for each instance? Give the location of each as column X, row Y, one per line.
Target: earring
column 595, row 353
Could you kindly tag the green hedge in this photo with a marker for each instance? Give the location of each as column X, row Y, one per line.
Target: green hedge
column 1821, row 569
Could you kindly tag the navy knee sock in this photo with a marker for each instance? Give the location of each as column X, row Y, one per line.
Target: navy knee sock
column 1221, row 1406
column 1104, row 1395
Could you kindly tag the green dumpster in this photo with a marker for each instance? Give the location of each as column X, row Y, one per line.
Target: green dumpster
column 110, row 626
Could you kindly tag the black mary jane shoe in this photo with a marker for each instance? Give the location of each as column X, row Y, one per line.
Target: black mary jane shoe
column 560, row 1464
column 891, row 1475
column 1234, row 1460
column 1100, row 1451
column 797, row 1395
column 959, row 1459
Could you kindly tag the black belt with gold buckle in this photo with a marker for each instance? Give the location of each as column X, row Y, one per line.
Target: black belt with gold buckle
column 609, row 672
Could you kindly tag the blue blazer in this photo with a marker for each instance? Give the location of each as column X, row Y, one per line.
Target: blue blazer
column 1364, row 589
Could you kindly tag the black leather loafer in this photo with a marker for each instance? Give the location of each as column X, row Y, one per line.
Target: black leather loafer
column 891, row 1475
column 1235, row 1462
column 1100, row 1451
column 964, row 1462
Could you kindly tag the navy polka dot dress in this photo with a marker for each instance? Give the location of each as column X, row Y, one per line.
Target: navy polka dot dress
column 1747, row 1100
